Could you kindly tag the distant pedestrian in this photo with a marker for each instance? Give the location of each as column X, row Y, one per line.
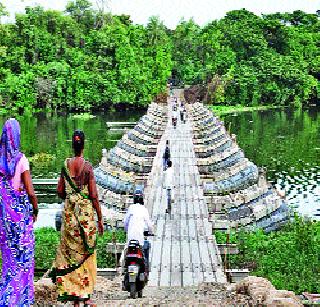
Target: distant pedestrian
column 174, row 117
column 19, row 210
column 166, row 155
column 182, row 110
column 168, row 184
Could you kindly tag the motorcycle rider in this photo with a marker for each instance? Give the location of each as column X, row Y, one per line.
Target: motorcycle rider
column 136, row 221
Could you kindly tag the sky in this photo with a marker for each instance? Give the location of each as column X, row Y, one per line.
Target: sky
column 172, row 11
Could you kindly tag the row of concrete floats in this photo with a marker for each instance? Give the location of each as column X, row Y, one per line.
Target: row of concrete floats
column 237, row 192
column 125, row 167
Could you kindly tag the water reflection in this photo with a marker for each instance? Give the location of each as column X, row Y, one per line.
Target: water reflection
column 287, row 143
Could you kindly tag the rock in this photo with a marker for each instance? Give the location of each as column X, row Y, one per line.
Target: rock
column 248, row 284
column 45, row 291
column 282, row 298
column 262, row 292
column 282, row 302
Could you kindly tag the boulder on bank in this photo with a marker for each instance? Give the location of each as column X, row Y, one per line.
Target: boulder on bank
column 282, row 298
column 45, row 291
column 263, row 292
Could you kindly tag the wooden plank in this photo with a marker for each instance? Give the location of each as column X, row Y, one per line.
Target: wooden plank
column 155, row 263
column 196, row 262
column 160, row 229
column 192, row 229
column 156, row 256
column 165, row 264
column 185, row 254
column 166, row 255
column 187, row 278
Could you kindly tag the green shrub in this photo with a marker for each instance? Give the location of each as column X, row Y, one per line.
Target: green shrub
column 221, row 237
column 289, row 258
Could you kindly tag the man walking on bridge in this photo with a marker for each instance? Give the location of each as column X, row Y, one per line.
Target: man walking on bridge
column 182, row 111
column 168, row 185
column 166, row 155
column 174, row 117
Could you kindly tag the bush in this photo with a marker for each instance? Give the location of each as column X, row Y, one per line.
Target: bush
column 289, row 258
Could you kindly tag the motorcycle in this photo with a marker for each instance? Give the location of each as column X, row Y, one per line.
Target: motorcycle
column 137, row 265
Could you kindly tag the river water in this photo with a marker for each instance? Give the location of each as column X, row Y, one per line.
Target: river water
column 286, row 142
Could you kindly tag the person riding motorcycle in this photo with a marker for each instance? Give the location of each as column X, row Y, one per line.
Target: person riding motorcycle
column 136, row 222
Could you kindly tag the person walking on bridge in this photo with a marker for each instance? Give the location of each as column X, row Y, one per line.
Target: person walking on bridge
column 168, row 185
column 174, row 117
column 166, row 155
column 182, row 111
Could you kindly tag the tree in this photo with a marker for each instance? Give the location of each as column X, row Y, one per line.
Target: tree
column 79, row 9
column 3, row 11
column 102, row 5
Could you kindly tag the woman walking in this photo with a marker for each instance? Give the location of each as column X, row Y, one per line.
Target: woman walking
column 75, row 268
column 17, row 216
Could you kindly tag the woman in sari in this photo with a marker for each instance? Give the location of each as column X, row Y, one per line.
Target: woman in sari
column 17, row 216
column 75, row 268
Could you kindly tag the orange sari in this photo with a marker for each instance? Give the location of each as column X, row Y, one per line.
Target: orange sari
column 75, row 268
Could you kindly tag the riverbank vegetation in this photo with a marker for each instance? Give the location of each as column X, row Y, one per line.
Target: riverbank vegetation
column 81, row 59
column 251, row 60
column 84, row 59
column 289, row 258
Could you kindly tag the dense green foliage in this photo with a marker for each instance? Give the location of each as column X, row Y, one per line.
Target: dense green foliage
column 251, row 60
column 289, row 258
column 47, row 239
column 81, row 59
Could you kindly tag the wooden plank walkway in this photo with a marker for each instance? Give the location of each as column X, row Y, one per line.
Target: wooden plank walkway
column 184, row 251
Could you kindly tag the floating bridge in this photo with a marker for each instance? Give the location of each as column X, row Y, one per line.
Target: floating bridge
column 216, row 187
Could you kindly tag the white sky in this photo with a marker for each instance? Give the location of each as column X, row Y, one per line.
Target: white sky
column 172, row 11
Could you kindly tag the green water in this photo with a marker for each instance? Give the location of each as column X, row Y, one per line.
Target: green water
column 279, row 139
column 47, row 138
column 286, row 142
